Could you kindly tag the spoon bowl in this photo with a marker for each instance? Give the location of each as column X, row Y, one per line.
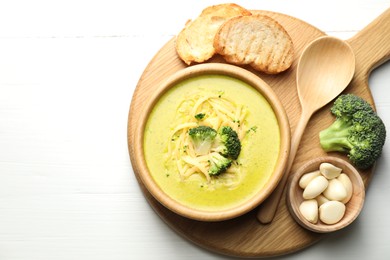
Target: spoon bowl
column 325, row 68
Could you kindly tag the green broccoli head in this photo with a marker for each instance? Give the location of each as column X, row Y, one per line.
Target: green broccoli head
column 202, row 138
column 346, row 105
column 358, row 132
column 218, row 164
column 222, row 147
column 369, row 135
column 227, row 143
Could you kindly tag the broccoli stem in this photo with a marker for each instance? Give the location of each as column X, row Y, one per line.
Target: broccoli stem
column 335, row 137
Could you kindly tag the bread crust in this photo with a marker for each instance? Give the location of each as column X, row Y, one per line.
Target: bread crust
column 194, row 43
column 257, row 40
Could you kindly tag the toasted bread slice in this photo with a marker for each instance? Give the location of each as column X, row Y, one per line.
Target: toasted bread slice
column 195, row 42
column 257, row 40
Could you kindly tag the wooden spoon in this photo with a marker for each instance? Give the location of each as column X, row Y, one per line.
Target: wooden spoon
column 325, row 69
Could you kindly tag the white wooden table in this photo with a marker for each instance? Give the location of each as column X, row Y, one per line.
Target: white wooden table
column 67, row 73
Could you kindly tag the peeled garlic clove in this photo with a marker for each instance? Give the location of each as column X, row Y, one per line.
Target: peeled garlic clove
column 307, row 177
column 321, row 199
column 346, row 181
column 335, row 190
column 315, row 187
column 309, row 210
column 329, row 170
column 331, row 212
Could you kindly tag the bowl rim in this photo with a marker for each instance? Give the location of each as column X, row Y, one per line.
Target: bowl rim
column 212, row 69
column 358, row 196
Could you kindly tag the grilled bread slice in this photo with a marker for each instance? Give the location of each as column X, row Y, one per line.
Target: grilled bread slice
column 194, row 43
column 257, row 40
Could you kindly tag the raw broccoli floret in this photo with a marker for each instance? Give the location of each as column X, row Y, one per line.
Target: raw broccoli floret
column 357, row 131
column 227, row 143
column 346, row 105
column 202, row 138
column 218, row 164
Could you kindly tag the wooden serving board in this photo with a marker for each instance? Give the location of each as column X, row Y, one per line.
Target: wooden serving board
column 245, row 236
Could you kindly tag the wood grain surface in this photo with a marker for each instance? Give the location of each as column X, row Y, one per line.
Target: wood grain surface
column 245, row 236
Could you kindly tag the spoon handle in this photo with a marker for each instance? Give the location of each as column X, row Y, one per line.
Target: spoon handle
column 267, row 209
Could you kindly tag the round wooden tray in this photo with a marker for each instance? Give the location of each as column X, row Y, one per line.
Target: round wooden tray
column 245, row 236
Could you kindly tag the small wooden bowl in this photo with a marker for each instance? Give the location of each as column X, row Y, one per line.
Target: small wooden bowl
column 353, row 207
column 236, row 210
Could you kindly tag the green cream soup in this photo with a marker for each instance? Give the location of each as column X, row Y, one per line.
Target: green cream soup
column 259, row 151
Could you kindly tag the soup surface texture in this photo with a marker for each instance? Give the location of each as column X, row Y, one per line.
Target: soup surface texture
column 256, row 162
